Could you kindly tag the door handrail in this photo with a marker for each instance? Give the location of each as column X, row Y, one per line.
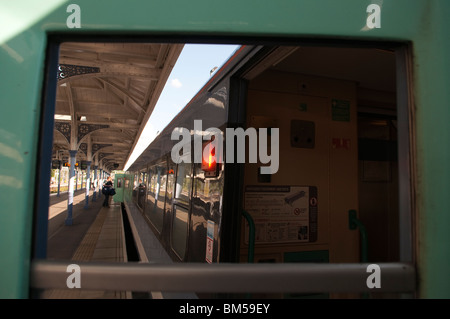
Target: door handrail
column 354, row 223
column 197, row 277
column 251, row 236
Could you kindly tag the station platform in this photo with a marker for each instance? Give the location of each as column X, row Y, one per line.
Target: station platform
column 96, row 234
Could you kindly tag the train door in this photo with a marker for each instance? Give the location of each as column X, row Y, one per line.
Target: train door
column 379, row 183
column 141, row 189
column 312, row 101
column 168, row 208
column 181, row 209
column 156, row 198
column 128, row 187
column 118, row 186
column 304, row 206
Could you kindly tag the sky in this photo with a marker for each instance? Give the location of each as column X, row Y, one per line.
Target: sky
column 190, row 73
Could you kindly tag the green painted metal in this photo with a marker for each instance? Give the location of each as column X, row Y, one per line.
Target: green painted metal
column 128, row 187
column 119, row 186
column 24, row 27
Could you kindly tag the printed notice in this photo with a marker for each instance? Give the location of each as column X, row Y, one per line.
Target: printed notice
column 283, row 213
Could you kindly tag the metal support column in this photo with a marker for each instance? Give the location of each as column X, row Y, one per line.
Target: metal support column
column 59, row 178
column 94, row 196
column 69, row 220
column 88, row 182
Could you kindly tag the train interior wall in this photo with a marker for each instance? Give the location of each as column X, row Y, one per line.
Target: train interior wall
column 337, row 152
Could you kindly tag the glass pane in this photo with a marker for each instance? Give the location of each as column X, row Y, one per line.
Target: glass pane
column 156, row 196
column 184, row 183
column 179, row 230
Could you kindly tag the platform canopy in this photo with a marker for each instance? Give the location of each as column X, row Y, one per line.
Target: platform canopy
column 106, row 92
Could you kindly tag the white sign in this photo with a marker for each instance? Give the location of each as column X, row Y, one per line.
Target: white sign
column 283, row 213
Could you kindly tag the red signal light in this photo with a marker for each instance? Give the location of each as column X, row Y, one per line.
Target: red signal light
column 209, row 162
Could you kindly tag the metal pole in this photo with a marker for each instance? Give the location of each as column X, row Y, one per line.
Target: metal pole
column 69, row 220
column 88, row 181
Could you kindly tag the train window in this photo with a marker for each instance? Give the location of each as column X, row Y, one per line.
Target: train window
column 157, row 196
column 180, row 230
column 170, row 184
column 134, row 186
column 127, row 191
column 150, row 208
column 339, row 148
column 141, row 190
column 184, row 183
column 181, row 205
column 201, row 185
column 341, row 126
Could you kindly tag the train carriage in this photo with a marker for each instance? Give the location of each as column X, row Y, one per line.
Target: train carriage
column 327, row 127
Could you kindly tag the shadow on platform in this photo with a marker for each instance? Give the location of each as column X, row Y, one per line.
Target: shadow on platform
column 63, row 240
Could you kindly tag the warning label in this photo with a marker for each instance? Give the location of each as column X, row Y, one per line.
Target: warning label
column 283, row 213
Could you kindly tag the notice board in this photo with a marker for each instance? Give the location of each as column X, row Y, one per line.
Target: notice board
column 282, row 214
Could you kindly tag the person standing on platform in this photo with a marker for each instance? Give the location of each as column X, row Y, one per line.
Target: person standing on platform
column 108, row 185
